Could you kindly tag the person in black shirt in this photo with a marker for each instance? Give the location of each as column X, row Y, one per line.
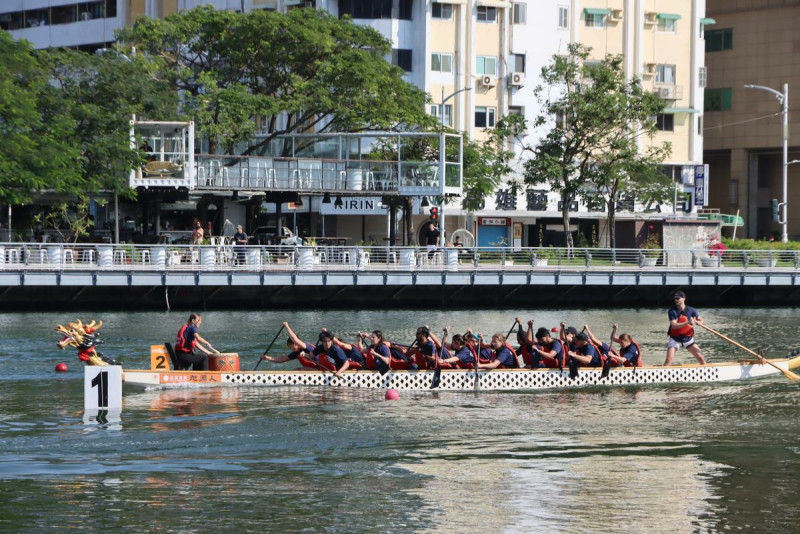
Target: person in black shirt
column 432, row 239
column 239, row 239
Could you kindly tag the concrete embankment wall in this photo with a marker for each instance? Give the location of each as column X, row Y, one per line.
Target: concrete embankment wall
column 33, row 298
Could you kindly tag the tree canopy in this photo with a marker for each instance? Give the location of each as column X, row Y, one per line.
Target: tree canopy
column 598, row 122
column 304, row 70
column 64, row 119
column 35, row 153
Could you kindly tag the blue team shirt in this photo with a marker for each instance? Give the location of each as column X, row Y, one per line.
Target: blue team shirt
column 381, row 349
column 354, row 355
column 294, row 354
column 464, row 354
column 631, row 353
column 428, row 348
column 335, row 354
column 506, row 357
column 589, row 350
column 189, row 335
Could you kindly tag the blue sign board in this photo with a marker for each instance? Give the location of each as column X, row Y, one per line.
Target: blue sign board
column 700, row 185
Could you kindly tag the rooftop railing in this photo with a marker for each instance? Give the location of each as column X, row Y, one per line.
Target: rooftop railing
column 250, row 258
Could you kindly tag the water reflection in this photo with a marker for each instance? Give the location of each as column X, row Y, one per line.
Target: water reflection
column 642, row 459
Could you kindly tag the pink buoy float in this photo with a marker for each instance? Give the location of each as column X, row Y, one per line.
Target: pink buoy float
column 392, row 394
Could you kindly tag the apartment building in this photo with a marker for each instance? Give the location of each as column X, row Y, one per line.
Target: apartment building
column 480, row 60
column 752, row 43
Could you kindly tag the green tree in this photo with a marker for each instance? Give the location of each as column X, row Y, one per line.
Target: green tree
column 596, row 118
column 305, row 70
column 35, row 153
column 98, row 94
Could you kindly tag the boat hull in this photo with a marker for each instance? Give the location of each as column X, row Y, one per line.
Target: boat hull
column 464, row 380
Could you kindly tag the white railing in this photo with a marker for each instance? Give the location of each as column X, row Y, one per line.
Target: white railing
column 52, row 256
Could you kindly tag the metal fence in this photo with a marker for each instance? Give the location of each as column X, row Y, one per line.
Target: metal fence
column 44, row 256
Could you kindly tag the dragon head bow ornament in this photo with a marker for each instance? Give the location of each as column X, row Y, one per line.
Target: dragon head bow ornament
column 83, row 337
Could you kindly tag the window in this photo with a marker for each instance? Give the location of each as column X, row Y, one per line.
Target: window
column 487, row 14
column 595, row 21
column 518, row 62
column 448, row 113
column 366, row 9
column 484, row 117
column 717, row 99
column 702, row 76
column 486, row 65
column 666, row 25
column 665, row 122
column 111, row 8
column 405, row 10
column 520, row 13
column 402, row 58
column 64, row 14
column 717, row 40
column 442, row 62
column 563, row 18
column 442, row 11
column 665, row 74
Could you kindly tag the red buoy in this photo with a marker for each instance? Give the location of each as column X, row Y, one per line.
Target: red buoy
column 61, row 367
column 392, row 394
column 555, row 329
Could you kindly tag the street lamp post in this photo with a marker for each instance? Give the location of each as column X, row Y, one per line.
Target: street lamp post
column 442, row 168
column 783, row 99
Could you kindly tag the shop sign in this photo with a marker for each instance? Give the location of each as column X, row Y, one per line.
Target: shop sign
column 354, row 206
column 700, row 185
column 494, row 221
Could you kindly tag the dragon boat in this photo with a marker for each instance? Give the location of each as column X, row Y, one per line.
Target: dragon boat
column 225, row 371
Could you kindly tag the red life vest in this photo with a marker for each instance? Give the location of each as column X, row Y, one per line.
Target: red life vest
column 180, row 341
column 686, row 330
column 559, row 359
column 603, row 357
column 527, row 354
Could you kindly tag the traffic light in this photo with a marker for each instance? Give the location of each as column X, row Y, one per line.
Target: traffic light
column 775, row 211
column 435, row 213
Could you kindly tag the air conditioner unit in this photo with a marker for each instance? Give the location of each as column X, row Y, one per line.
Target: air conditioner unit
column 517, row 79
column 650, row 17
column 616, row 14
column 667, row 93
column 487, row 81
column 649, row 68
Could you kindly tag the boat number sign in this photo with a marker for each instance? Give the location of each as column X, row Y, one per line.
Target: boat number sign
column 102, row 387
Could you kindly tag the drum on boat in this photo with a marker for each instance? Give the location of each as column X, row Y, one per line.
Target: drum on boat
column 224, row 361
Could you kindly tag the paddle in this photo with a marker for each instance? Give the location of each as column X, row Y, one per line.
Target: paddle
column 788, row 374
column 270, row 346
column 437, row 374
column 477, row 386
column 512, row 328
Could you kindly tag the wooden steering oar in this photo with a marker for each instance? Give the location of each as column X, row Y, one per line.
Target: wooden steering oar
column 788, row 374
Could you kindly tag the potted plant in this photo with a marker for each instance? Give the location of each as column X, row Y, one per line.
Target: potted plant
column 541, row 256
column 650, row 251
column 766, row 258
column 714, row 258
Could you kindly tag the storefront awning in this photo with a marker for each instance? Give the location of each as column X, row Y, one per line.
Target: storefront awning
column 681, row 110
column 494, row 3
column 668, row 16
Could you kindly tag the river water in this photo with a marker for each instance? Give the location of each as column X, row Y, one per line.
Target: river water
column 700, row 458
